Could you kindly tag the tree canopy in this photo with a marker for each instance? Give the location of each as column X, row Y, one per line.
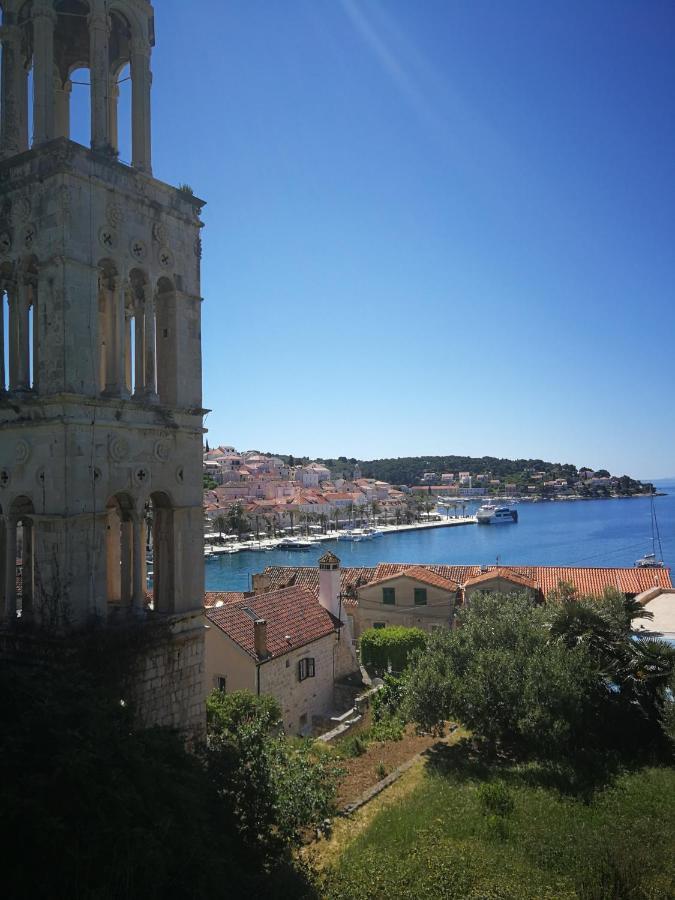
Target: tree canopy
column 563, row 679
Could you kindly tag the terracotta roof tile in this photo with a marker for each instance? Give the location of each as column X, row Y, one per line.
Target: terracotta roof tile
column 505, row 573
column 219, row 598
column 593, row 581
column 293, row 611
column 422, row 574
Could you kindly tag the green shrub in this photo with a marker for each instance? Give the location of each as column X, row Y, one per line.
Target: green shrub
column 228, row 712
column 387, row 701
column 381, row 770
column 382, row 648
column 389, row 728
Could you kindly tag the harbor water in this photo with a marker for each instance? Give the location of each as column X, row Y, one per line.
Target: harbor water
column 578, row 533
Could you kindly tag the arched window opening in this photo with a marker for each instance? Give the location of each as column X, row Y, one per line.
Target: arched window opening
column 125, row 554
column 130, row 351
column 140, row 354
column 122, row 84
column 72, row 81
column 119, row 101
column 80, row 106
column 161, row 524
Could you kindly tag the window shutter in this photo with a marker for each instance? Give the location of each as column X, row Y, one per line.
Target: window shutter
column 310, row 667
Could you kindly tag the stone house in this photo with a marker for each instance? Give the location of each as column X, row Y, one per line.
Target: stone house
column 288, row 643
column 417, row 598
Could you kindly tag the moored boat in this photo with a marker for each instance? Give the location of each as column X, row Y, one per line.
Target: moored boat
column 489, row 514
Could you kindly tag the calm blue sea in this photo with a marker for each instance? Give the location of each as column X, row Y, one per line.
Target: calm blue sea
column 583, row 533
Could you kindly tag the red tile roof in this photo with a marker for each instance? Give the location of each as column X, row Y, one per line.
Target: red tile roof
column 215, row 598
column 506, row 574
column 592, row 581
column 421, row 574
column 294, row 612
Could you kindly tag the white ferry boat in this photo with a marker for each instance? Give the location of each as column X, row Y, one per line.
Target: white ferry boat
column 489, row 514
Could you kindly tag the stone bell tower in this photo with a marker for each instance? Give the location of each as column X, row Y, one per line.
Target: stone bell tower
column 100, row 369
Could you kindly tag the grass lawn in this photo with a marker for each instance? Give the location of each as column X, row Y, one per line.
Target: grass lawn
column 438, row 839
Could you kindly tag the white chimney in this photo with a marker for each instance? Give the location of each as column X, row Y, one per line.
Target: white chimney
column 329, row 583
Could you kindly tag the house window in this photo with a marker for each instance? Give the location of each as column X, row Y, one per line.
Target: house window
column 221, row 682
column 306, row 668
column 379, row 625
column 389, row 596
column 420, row 596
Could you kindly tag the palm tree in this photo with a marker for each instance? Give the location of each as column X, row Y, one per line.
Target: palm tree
column 221, row 524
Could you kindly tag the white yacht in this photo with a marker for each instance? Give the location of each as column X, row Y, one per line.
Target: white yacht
column 489, row 514
column 649, row 561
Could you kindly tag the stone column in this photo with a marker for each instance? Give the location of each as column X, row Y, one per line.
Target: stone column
column 139, row 352
column 27, row 586
column 150, row 346
column 141, row 83
column 62, row 94
column 113, row 105
column 32, row 291
column 120, row 313
column 139, row 566
column 10, row 570
column 127, row 352
column 127, row 547
column 44, row 20
column 99, row 31
column 13, row 133
column 109, row 304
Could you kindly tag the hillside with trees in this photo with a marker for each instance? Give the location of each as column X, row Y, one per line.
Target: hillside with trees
column 410, row 470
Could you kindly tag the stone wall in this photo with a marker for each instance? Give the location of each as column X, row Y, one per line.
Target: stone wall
column 167, row 684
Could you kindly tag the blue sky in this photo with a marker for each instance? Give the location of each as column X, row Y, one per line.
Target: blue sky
column 432, row 226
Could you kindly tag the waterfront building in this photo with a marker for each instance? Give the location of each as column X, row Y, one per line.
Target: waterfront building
column 100, row 408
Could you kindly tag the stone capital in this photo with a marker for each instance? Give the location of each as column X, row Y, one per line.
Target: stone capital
column 140, row 47
column 99, row 20
column 43, row 9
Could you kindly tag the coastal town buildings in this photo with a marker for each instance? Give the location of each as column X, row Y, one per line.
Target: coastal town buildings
column 275, row 495
column 100, row 406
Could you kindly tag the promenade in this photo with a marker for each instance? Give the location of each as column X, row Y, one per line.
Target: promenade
column 340, row 535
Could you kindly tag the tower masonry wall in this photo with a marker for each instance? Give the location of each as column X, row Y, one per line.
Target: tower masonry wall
column 168, row 684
